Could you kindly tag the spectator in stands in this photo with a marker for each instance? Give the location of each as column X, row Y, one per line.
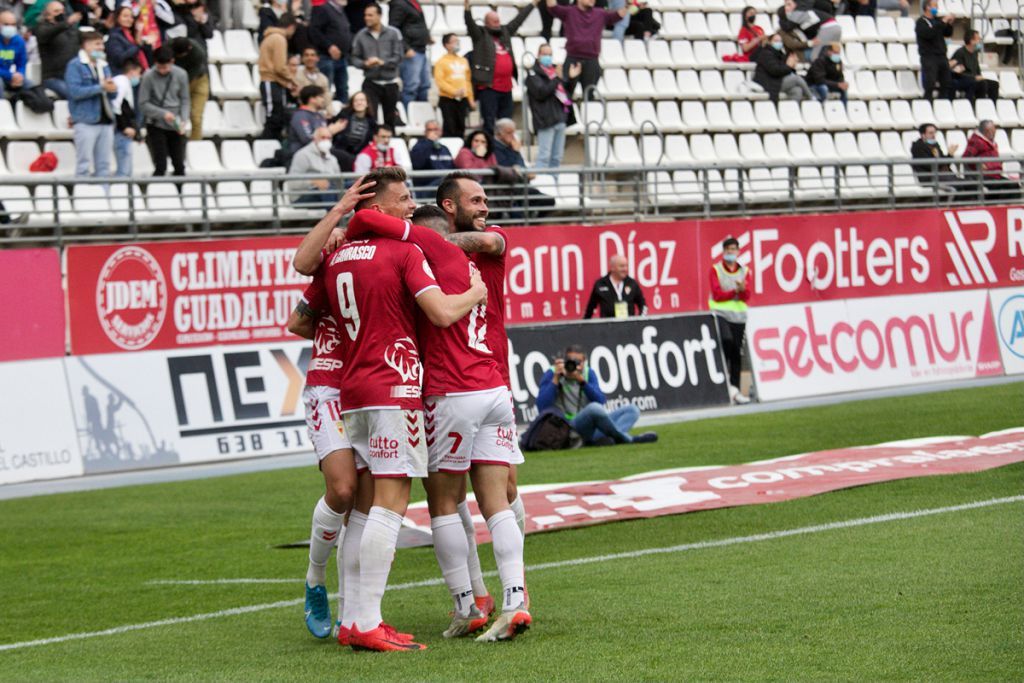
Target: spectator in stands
column 494, row 64
column 931, row 31
column 355, row 10
column 981, row 145
column 270, row 14
column 730, row 296
column 813, row 20
column 275, row 78
column 126, row 119
column 90, row 95
column 307, row 119
column 776, row 71
column 512, row 170
column 455, row 88
column 378, row 50
column 407, row 16
column 572, row 388
column 901, row 6
column 967, row 71
column 616, row 295
column 165, row 105
column 546, row 20
column 315, row 157
column 642, row 24
column 583, row 25
column 126, row 41
column 378, row 153
column 750, row 37
column 57, row 36
column 429, row 154
column 331, row 35
column 547, row 90
column 357, row 127
column 826, row 74
column 228, row 14
column 194, row 17
column 190, row 55
column 308, row 73
column 477, row 153
column 927, row 147
column 13, row 56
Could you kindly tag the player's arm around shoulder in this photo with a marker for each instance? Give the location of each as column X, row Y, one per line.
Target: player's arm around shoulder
column 444, row 310
column 489, row 242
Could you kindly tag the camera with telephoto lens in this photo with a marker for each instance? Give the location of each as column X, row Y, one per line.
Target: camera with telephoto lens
column 570, row 366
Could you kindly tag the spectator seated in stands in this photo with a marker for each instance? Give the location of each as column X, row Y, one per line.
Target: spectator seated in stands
column 826, row 74
column 507, row 152
column 571, row 387
column 57, row 37
column 477, row 153
column 750, row 38
column 307, row 118
column 967, row 76
column 547, row 90
column 309, row 73
column 776, row 71
column 901, row 6
column 315, row 158
column 126, row 41
column 357, row 127
column 13, row 56
column 127, row 121
column 813, row 21
column 642, row 24
column 927, row 147
column 379, row 153
column 428, row 154
column 455, row 88
column 91, row 92
column 982, row 144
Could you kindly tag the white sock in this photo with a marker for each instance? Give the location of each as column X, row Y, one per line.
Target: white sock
column 328, row 526
column 508, row 553
column 452, row 555
column 376, row 553
column 476, row 575
column 350, row 567
column 520, row 513
column 341, row 575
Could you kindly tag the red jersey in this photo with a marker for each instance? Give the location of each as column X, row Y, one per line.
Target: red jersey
column 503, row 68
column 457, row 359
column 372, row 286
column 325, row 364
column 492, row 271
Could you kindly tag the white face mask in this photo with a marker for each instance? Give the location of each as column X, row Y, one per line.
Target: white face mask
column 324, row 146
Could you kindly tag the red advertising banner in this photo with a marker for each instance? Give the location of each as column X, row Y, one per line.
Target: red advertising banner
column 33, row 308
column 673, row 492
column 181, row 294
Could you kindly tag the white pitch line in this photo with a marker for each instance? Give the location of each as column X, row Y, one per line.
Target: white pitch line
column 700, row 545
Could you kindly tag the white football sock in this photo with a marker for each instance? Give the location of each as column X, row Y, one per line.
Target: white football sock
column 520, row 512
column 376, row 553
column 452, row 555
column 508, row 553
column 350, row 567
column 341, row 575
column 328, row 526
column 476, row 575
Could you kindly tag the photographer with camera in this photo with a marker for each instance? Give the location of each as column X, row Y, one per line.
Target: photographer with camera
column 571, row 387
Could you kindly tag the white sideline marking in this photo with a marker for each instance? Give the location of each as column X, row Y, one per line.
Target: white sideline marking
column 700, row 545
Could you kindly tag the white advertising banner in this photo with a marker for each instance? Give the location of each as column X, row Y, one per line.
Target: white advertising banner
column 37, row 433
column 832, row 347
column 158, row 408
column 1008, row 313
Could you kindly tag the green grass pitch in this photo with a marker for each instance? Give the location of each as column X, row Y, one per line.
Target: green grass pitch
column 925, row 599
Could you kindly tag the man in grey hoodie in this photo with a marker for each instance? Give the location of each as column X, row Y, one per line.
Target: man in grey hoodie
column 165, row 105
column 378, row 51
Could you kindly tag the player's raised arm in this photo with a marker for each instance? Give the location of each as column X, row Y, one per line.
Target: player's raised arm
column 478, row 242
column 307, row 256
column 444, row 310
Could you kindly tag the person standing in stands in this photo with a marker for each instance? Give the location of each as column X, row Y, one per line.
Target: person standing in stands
column 126, row 120
column 166, row 107
column 455, row 88
column 583, row 25
column 378, row 51
column 275, row 77
column 616, row 295
column 494, row 64
column 190, row 55
column 57, row 36
column 730, row 292
column 967, row 71
column 407, row 16
column 331, row 34
column 91, row 91
column 931, row 31
column 547, row 90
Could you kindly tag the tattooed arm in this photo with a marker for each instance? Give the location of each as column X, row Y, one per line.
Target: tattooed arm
column 478, row 242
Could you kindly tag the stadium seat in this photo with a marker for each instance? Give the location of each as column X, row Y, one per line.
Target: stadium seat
column 1006, row 112
column 864, row 85
column 1017, row 141
column 659, row 54
column 856, row 111
column 767, row 185
column 888, row 87
column 626, row 151
column 897, row 56
column 800, row 148
column 598, row 151
column 89, row 206
column 775, row 146
column 612, row 55
column 718, row 26
column 945, row 116
column 743, row 118
column 40, row 124
column 887, row 30
column 239, row 47
column 652, row 150
column 235, row 82
column 877, row 57
column 202, row 158
column 661, row 191
column 814, row 116
column 231, row 202
column 767, row 116
column 592, row 116
column 922, row 111
column 665, row 85
column 823, row 146
column 905, row 30
column 869, row 145
column 705, row 55
column 677, row 149
column 694, row 117
column 418, row 115
column 702, row 146
column 751, row 149
column 689, row 85
column 846, row 146
column 62, row 118
column 454, row 145
column 162, row 203
column 697, row 26
column 213, row 122
column 713, row 86
column 673, row 26
column 641, row 84
column 669, row 117
column 901, row 116
column 718, row 118
column 866, row 31
column 725, row 148
column 615, row 84
column 682, row 55
column 65, row 153
column 634, row 52
column 854, row 56
column 237, row 157
column 643, row 110
column 1009, row 85
column 20, row 156
column 964, row 113
column 215, row 49
column 908, row 85
column 17, row 201
column 239, row 120
column 790, row 116
column 892, row 145
column 620, row 119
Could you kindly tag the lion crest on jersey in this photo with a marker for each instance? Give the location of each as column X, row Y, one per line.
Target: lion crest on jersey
column 404, row 358
column 326, row 339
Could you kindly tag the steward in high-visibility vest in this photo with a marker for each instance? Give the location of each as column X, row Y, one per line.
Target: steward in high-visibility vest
column 730, row 292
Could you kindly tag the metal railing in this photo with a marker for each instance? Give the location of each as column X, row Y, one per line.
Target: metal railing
column 47, row 210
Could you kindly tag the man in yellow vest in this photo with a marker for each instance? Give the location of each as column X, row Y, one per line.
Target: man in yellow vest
column 730, row 292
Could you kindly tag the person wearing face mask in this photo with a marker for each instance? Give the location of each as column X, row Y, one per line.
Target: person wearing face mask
column 13, row 56
column 91, row 92
column 477, row 153
column 932, row 31
column 776, row 71
column 494, row 64
column 126, row 121
column 997, row 185
column 455, row 88
column 730, row 294
column 377, row 154
column 315, row 158
column 967, row 71
column 57, row 35
column 826, row 74
column 547, row 90
column 429, row 154
column 751, row 36
column 927, row 148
